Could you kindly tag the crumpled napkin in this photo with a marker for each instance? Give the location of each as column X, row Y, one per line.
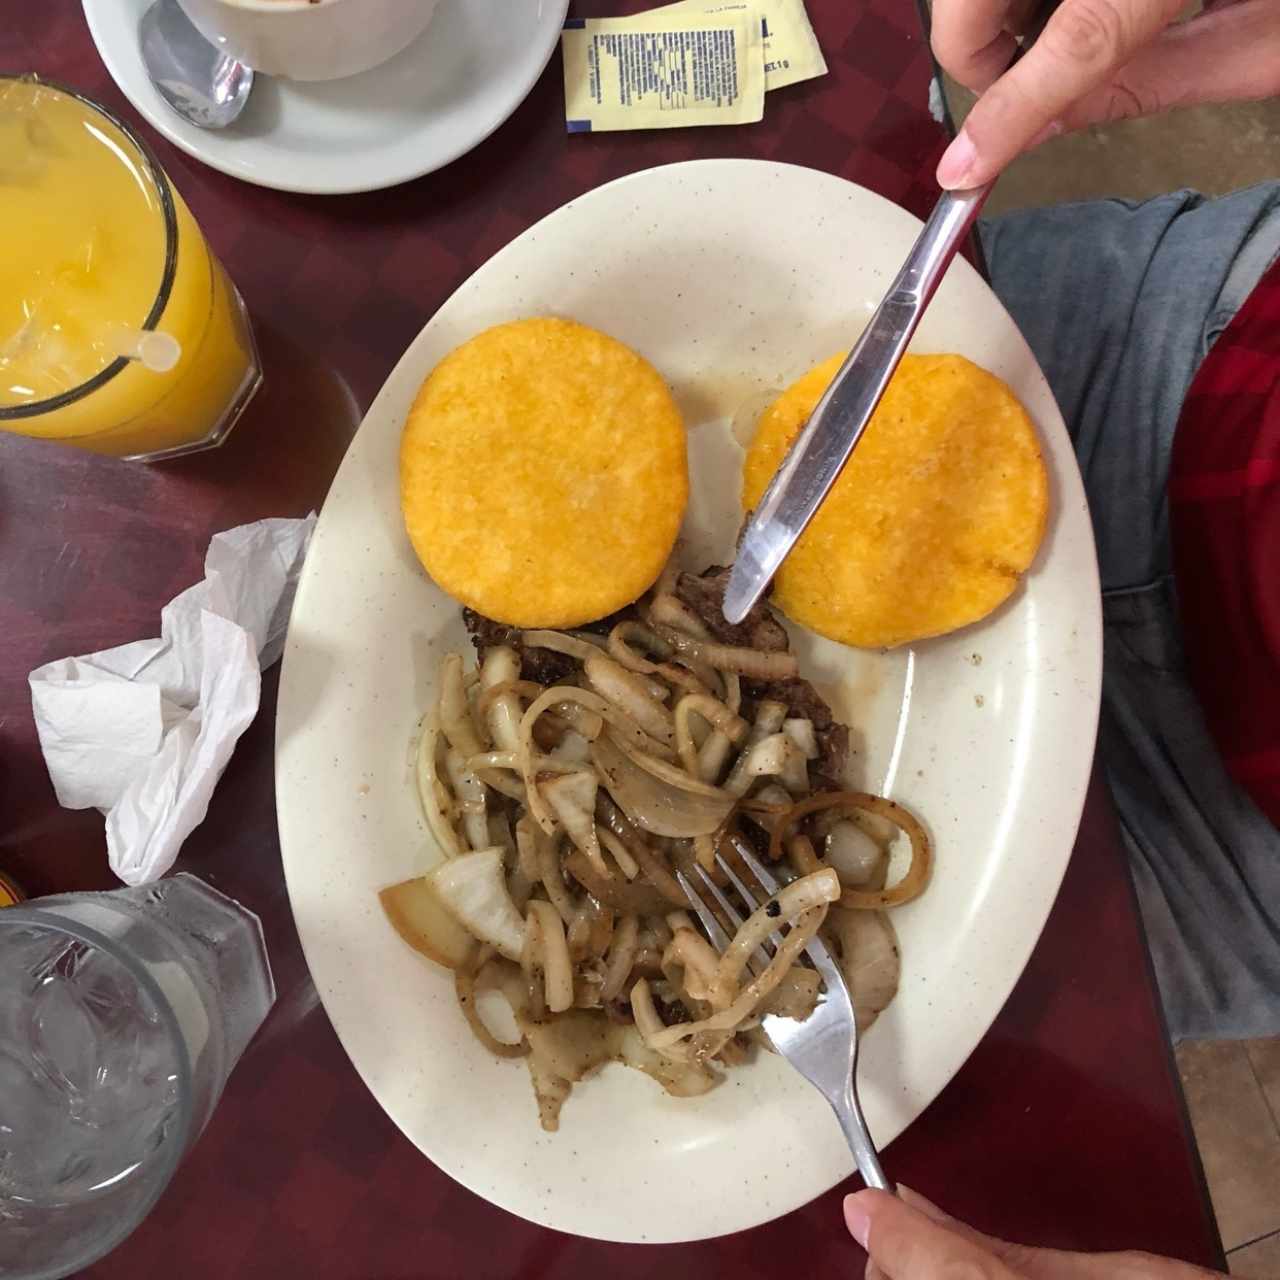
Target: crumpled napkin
column 144, row 731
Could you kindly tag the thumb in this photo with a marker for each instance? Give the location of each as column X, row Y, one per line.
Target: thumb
column 906, row 1244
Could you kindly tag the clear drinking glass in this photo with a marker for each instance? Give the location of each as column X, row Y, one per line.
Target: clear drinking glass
column 120, row 332
column 121, row 1016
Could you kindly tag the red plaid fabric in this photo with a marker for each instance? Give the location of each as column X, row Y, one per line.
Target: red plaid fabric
column 1224, row 498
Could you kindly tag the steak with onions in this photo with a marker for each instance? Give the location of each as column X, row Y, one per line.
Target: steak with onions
column 703, row 594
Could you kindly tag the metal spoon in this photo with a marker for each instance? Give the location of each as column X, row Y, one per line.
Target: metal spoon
column 200, row 82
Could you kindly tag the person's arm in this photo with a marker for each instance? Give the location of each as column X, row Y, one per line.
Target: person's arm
column 908, row 1238
column 1096, row 60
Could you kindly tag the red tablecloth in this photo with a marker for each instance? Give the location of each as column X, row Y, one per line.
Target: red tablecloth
column 1066, row 1126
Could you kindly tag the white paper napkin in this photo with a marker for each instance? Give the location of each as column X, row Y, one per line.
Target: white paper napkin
column 144, row 731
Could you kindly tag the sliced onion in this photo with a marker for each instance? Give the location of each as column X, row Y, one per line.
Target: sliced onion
column 468, row 792
column 625, row 897
column 571, row 646
column 621, row 854
column 621, row 651
column 527, row 833
column 796, row 995
column 621, row 955
column 854, row 855
column 760, row 664
column 732, row 691
column 867, row 950
column 496, row 760
column 801, row 732
column 620, row 641
column 696, row 956
column 773, row 757
column 430, row 788
column 798, row 937
column 803, row 857
column 730, row 727
column 668, row 611
column 791, row 901
column 467, row 988
column 454, row 711
column 652, row 864
column 602, row 921
column 547, row 861
column 667, row 772
column 518, row 688
column 650, row 1026
column 545, row 939
column 627, row 730
column 652, row 803
column 416, row 913
column 912, row 884
column 768, row 806
column 769, row 719
column 631, row 694
column 573, row 749
column 472, row 887
column 714, row 752
column 501, row 666
column 572, row 798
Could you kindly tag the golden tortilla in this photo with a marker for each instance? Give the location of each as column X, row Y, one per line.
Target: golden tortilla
column 941, row 508
column 543, row 474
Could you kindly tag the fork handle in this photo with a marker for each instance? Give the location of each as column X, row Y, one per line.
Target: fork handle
column 858, row 1136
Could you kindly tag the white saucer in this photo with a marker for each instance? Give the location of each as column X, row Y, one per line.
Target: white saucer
column 470, row 69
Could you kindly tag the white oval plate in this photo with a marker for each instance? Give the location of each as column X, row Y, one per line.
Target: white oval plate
column 444, row 94
column 733, row 277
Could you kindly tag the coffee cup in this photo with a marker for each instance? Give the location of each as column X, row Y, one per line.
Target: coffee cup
column 310, row 39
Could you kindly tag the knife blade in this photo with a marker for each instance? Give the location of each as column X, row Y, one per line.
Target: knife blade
column 820, row 451
column 837, row 423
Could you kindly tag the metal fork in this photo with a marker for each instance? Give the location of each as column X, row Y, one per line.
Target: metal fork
column 824, row 1046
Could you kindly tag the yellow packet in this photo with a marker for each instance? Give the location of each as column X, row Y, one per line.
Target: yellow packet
column 791, row 51
column 652, row 72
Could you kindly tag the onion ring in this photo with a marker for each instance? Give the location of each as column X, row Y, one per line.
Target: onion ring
column 912, row 884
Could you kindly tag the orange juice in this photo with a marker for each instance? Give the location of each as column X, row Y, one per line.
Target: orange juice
column 98, row 248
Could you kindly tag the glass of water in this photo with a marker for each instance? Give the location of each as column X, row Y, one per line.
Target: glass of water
column 121, row 1016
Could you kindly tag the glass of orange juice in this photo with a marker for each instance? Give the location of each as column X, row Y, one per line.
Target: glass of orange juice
column 119, row 330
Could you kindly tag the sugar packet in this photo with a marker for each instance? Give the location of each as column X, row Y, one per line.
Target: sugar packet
column 791, row 50
column 658, row 71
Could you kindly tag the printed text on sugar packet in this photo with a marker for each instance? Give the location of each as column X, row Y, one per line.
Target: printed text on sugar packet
column 645, row 73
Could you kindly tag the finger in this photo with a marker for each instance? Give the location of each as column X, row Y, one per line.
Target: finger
column 906, row 1244
column 1230, row 53
column 971, row 40
column 1047, row 1264
column 1083, row 45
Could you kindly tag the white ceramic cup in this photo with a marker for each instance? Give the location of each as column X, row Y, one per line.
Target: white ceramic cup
column 310, row 39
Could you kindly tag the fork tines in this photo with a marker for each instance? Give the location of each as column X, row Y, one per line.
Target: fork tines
column 711, row 921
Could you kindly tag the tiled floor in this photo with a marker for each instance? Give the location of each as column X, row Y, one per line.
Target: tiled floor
column 1233, row 1094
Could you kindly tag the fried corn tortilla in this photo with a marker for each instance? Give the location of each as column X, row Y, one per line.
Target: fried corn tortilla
column 929, row 527
column 543, row 474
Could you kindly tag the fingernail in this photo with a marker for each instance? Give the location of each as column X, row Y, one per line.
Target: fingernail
column 857, row 1220
column 957, row 162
